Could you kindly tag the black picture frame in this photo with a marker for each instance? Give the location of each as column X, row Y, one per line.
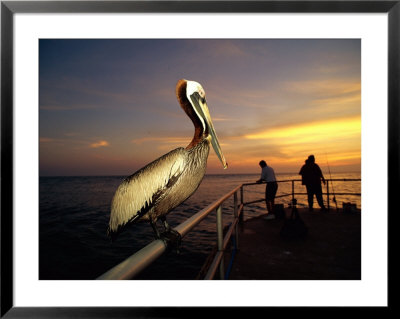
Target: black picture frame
column 9, row 8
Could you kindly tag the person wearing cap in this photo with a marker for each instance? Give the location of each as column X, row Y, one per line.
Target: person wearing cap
column 268, row 175
column 311, row 176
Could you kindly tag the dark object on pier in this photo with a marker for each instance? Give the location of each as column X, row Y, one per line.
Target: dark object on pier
column 349, row 208
column 294, row 227
column 279, row 211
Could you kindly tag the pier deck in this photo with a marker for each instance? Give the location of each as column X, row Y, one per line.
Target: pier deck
column 331, row 250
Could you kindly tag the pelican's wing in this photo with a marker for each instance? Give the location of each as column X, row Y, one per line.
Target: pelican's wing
column 137, row 193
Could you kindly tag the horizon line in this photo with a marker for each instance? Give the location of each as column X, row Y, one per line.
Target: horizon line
column 207, row 174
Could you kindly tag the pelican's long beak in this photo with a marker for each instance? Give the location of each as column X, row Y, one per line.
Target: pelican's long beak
column 200, row 105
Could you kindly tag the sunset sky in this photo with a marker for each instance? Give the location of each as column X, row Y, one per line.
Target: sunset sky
column 108, row 107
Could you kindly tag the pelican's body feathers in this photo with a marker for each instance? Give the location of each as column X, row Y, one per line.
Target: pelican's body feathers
column 154, row 191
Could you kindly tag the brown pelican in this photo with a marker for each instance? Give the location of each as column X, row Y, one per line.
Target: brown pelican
column 156, row 189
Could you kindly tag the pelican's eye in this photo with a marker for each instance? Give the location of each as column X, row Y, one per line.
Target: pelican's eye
column 202, row 93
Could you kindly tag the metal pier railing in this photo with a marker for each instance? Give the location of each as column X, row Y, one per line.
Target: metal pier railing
column 328, row 193
column 131, row 266
column 134, row 264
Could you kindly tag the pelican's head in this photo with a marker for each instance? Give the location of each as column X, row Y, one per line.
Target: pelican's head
column 197, row 98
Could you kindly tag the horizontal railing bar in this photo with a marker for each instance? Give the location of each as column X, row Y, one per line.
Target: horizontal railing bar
column 255, row 201
column 131, row 266
column 343, row 180
column 285, row 195
column 136, row 262
column 263, row 182
column 299, row 180
column 225, row 197
column 355, row 194
column 192, row 221
column 334, row 194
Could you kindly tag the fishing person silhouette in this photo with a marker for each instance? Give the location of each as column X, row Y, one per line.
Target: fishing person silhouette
column 268, row 175
column 311, row 176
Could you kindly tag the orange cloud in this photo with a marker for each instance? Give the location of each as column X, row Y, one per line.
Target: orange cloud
column 99, row 144
column 46, row 140
column 316, row 132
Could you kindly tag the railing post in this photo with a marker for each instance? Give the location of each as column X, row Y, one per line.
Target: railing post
column 235, row 213
column 241, row 204
column 220, row 240
column 327, row 194
column 292, row 191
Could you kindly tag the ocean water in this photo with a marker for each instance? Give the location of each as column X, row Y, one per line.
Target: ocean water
column 74, row 213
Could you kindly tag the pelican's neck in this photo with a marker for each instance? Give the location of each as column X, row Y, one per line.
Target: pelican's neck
column 187, row 107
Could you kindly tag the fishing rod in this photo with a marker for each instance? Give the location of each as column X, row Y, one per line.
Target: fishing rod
column 330, row 176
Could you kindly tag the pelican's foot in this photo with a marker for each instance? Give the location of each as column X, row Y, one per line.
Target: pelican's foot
column 172, row 239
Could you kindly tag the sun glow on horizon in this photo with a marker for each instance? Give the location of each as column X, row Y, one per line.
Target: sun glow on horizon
column 286, row 147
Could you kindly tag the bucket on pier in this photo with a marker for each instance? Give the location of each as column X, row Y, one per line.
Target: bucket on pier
column 349, row 208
